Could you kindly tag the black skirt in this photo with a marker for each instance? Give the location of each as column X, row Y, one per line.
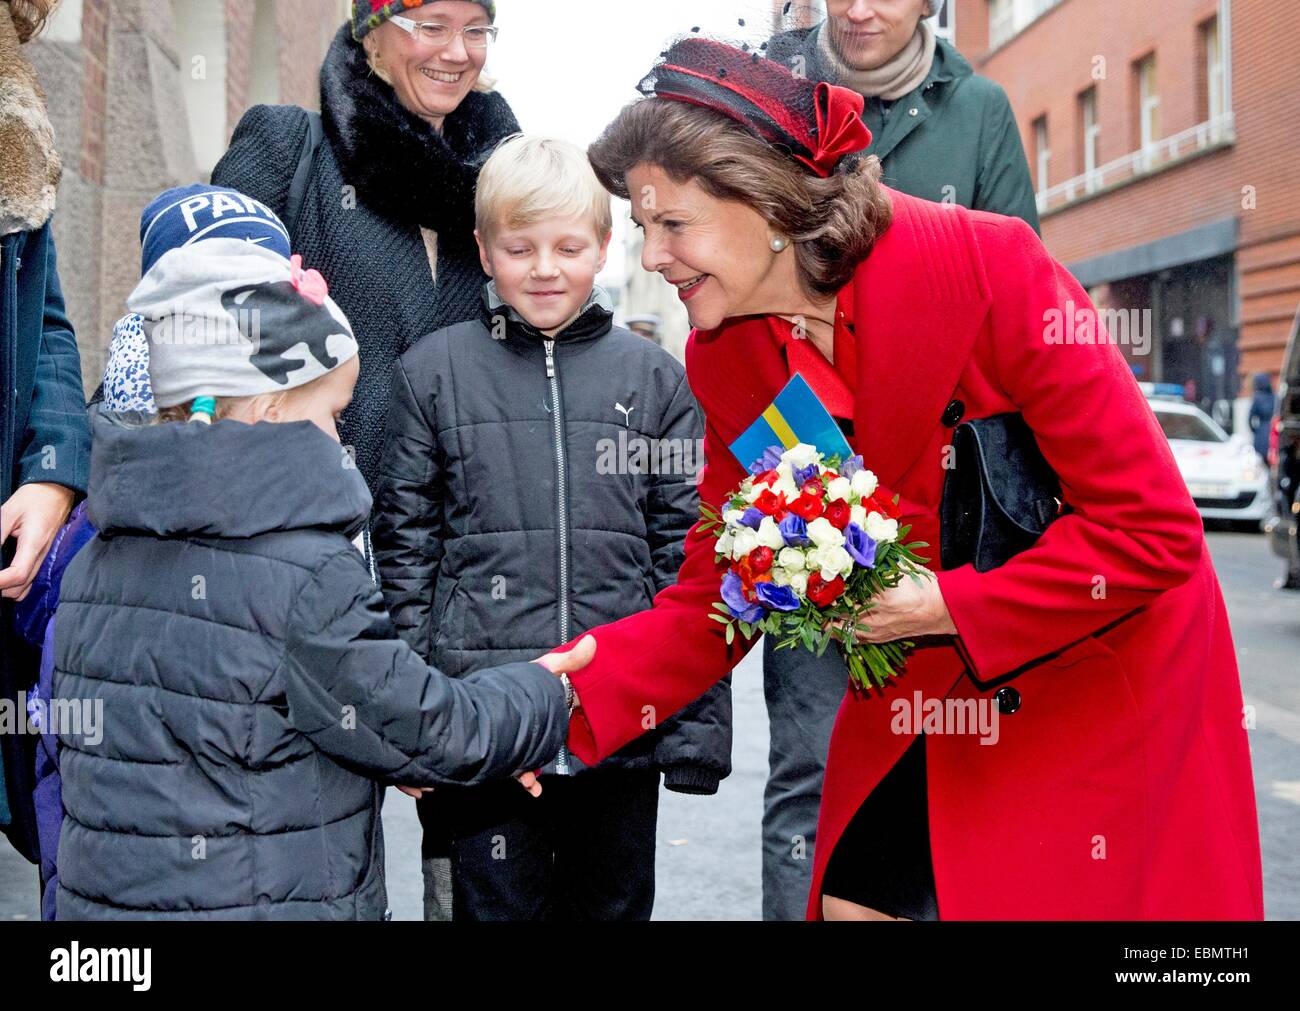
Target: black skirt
column 883, row 858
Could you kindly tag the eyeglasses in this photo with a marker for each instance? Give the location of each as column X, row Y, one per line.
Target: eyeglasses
column 436, row 36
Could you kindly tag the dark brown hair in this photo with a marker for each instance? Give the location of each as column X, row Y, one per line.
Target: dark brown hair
column 833, row 222
column 30, row 16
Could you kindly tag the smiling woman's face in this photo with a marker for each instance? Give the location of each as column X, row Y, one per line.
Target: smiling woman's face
column 717, row 253
column 430, row 82
column 869, row 33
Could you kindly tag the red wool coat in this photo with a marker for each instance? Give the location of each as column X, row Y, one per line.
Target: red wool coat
column 1121, row 788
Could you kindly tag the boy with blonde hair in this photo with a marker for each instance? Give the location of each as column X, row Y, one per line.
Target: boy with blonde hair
column 539, row 478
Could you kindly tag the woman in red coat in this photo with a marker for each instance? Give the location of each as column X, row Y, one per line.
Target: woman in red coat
column 1118, row 782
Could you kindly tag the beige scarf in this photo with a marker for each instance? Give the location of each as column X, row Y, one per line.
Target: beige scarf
column 29, row 164
column 892, row 79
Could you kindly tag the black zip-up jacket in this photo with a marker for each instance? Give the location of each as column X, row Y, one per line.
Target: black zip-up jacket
column 485, row 559
column 255, row 695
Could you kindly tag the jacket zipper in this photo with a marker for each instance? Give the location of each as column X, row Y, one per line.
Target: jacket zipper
column 562, row 517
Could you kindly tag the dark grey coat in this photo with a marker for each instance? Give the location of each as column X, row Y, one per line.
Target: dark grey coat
column 467, row 528
column 256, row 697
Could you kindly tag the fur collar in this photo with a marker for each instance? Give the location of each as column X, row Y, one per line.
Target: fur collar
column 29, row 164
column 402, row 167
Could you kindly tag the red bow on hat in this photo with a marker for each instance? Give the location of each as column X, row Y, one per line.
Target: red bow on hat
column 817, row 124
column 840, row 130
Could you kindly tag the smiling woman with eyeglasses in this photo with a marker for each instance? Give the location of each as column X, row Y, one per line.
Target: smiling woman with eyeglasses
column 380, row 197
column 380, row 200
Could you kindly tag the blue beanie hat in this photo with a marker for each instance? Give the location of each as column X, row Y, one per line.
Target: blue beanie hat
column 189, row 214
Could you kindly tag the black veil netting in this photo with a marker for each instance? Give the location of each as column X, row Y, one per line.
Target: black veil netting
column 730, row 73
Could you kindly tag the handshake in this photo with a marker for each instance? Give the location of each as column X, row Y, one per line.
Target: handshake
column 557, row 663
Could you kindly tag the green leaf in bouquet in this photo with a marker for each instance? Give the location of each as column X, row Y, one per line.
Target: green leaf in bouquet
column 731, row 634
column 720, row 619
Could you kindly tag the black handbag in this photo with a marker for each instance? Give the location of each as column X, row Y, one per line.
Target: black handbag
column 999, row 496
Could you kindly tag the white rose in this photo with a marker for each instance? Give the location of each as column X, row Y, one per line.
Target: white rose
column 725, row 542
column 800, row 456
column 858, row 515
column 799, row 583
column 746, row 541
column 780, row 576
column 792, row 559
column 787, row 487
column 769, row 534
column 880, row 529
column 835, row 562
column 752, row 492
column 839, row 489
column 824, row 534
column 731, row 517
column 864, row 484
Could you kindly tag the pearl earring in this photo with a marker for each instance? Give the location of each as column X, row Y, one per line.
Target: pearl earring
column 779, row 242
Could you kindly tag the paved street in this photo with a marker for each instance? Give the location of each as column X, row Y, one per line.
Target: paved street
column 708, row 854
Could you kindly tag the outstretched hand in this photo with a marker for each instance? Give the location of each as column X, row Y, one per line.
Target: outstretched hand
column 574, row 660
column 560, row 663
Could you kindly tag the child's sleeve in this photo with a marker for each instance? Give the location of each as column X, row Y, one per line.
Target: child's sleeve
column 694, row 751
column 367, row 700
column 408, row 515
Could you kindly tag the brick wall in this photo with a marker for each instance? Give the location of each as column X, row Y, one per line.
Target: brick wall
column 1254, row 180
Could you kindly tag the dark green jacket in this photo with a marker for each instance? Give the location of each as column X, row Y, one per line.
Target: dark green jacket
column 953, row 139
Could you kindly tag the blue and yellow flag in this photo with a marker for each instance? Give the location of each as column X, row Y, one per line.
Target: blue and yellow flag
column 795, row 416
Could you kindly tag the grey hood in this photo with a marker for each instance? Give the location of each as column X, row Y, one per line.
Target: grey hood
column 225, row 480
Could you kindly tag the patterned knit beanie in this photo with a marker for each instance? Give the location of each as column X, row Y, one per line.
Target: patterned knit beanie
column 367, row 15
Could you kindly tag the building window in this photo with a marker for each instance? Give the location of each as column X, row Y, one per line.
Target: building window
column 1148, row 108
column 1214, row 100
column 943, row 21
column 1089, row 132
column 1042, row 153
column 1002, row 21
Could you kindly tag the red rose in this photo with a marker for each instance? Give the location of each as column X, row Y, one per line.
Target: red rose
column 760, row 559
column 813, row 486
column 821, row 592
column 838, row 514
column 883, row 505
column 770, row 502
column 807, row 507
column 768, row 477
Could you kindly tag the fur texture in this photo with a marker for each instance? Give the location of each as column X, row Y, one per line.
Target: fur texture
column 29, row 164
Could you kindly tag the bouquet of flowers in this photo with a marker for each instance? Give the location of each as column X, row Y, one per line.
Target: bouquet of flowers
column 810, row 540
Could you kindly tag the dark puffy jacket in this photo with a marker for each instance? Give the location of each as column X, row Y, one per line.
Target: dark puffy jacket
column 474, row 551
column 255, row 696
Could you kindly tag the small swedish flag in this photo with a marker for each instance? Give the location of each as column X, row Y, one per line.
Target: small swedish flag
column 795, row 416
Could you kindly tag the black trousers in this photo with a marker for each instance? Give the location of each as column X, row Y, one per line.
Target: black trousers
column 583, row 850
column 883, row 858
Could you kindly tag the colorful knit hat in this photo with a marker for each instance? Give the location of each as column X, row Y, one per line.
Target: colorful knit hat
column 367, row 15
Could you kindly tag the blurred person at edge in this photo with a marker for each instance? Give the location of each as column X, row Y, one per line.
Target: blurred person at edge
column 408, row 123
column 942, row 133
column 44, row 435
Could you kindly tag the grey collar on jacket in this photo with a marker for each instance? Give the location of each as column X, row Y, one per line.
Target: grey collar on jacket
column 29, row 163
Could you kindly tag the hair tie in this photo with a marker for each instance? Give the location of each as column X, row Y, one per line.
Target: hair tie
column 203, row 410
